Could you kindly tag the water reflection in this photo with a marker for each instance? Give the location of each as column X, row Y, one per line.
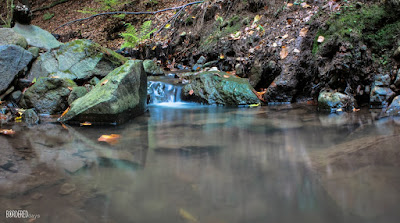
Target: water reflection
column 268, row 164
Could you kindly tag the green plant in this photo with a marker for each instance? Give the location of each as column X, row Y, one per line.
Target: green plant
column 132, row 37
column 7, row 19
column 48, row 16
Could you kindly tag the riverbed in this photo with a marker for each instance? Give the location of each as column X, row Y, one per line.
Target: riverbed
column 209, row 164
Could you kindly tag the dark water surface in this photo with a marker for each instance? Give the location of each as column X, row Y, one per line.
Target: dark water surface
column 208, row 165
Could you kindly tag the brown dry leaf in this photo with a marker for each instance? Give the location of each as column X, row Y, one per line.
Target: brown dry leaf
column 356, row 110
column 1, row 102
column 85, row 124
column 104, row 82
column 65, row 112
column 289, row 21
column 191, row 92
column 303, row 32
column 110, row 139
column 305, row 5
column 154, row 47
column 289, row 4
column 221, row 56
column 64, row 126
column 7, row 131
column 226, row 76
column 321, row 39
column 284, row 52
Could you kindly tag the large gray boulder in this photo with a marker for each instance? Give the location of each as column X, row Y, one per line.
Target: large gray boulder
column 13, row 59
column 380, row 96
column 76, row 60
column 219, row 88
column 37, row 37
column 9, row 37
column 334, row 101
column 48, row 95
column 121, row 95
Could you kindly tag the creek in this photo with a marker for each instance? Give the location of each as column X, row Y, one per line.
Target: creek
column 183, row 162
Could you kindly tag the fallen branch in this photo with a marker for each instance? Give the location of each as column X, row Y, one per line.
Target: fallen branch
column 128, row 13
column 169, row 20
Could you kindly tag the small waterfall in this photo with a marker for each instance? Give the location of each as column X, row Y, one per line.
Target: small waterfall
column 163, row 91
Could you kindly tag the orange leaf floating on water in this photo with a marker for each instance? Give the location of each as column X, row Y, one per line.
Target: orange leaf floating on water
column 110, row 139
column 7, row 131
column 356, row 110
column 284, row 52
column 85, row 124
column 104, row 82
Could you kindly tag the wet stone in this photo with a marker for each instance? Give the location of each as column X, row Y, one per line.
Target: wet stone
column 30, row 117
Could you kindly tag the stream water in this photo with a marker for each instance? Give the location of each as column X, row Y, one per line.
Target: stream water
column 208, row 164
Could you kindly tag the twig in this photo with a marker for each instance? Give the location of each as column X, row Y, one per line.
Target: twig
column 169, row 20
column 128, row 13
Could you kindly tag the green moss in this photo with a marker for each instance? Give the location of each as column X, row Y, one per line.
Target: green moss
column 373, row 24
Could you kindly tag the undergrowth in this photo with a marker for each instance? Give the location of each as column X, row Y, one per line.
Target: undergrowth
column 132, row 37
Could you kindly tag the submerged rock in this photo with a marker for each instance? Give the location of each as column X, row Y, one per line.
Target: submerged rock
column 9, row 37
column 30, row 117
column 219, row 88
column 76, row 60
column 37, row 37
column 151, row 68
column 48, row 95
column 332, row 101
column 120, row 95
column 394, row 107
column 13, row 59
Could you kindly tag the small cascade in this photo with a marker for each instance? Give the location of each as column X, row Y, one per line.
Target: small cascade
column 163, row 91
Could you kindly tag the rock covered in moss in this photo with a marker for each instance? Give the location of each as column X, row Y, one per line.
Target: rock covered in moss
column 76, row 60
column 219, row 88
column 13, row 59
column 30, row 117
column 151, row 68
column 37, row 37
column 77, row 92
column 48, row 95
column 120, row 95
column 332, row 101
column 9, row 37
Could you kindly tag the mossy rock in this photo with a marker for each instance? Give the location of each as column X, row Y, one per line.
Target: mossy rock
column 48, row 95
column 219, row 88
column 9, row 37
column 76, row 60
column 119, row 96
column 333, row 101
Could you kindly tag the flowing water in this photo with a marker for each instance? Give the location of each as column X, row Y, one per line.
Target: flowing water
column 208, row 164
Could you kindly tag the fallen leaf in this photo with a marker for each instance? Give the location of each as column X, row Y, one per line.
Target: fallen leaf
column 7, row 131
column 289, row 4
column 65, row 112
column 64, row 126
column 226, row 76
column 356, row 110
column 186, row 215
column 221, row 56
column 191, row 92
column 1, row 102
column 168, row 26
column 339, row 110
column 289, row 20
column 284, row 52
column 70, row 88
column 305, row 5
column 285, row 36
column 104, row 82
column 18, row 119
column 154, row 47
column 85, row 124
column 320, row 39
column 257, row 18
column 303, row 32
column 254, row 105
column 110, row 139
column 296, row 51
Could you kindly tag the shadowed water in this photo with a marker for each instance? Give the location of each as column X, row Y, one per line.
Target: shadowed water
column 210, row 165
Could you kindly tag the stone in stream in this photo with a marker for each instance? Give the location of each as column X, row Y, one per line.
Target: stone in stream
column 122, row 94
column 37, row 37
column 397, row 81
column 9, row 37
column 379, row 96
column 332, row 101
column 76, row 93
column 394, row 107
column 218, row 88
column 48, row 95
column 30, row 117
column 76, row 60
column 13, row 60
